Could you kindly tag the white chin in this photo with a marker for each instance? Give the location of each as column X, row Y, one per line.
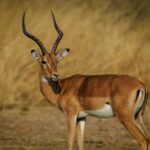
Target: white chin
column 54, row 79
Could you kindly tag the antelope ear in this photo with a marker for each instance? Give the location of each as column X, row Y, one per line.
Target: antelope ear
column 35, row 54
column 62, row 53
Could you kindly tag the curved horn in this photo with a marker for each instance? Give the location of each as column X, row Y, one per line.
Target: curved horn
column 60, row 35
column 29, row 35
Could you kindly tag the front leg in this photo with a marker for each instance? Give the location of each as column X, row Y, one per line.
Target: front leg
column 71, row 122
column 80, row 132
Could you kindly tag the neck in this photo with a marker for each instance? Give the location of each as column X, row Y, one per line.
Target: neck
column 54, row 85
column 50, row 89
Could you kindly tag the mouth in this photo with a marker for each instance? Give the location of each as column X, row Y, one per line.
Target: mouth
column 53, row 78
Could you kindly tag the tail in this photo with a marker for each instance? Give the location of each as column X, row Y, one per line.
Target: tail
column 141, row 100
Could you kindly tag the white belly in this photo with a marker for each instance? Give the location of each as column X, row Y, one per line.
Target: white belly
column 105, row 112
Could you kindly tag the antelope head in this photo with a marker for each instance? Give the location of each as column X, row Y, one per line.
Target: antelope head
column 48, row 60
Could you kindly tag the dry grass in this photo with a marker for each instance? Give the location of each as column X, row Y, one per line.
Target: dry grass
column 104, row 37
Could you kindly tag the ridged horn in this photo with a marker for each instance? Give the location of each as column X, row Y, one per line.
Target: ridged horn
column 59, row 37
column 34, row 38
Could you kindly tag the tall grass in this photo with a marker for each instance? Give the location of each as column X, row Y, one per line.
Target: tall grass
column 105, row 37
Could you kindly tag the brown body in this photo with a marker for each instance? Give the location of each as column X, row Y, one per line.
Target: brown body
column 84, row 92
column 80, row 96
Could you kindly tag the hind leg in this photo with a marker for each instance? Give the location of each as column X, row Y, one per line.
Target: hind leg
column 140, row 118
column 142, row 125
column 131, row 125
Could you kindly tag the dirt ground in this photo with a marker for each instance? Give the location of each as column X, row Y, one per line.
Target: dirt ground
column 44, row 128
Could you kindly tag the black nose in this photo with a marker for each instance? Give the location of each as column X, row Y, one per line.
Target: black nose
column 55, row 74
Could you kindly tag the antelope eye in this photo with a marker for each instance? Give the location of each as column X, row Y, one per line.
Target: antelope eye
column 43, row 62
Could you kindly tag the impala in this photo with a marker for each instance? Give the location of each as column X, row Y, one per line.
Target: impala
column 80, row 96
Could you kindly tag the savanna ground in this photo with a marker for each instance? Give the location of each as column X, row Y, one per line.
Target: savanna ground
column 44, row 128
column 105, row 37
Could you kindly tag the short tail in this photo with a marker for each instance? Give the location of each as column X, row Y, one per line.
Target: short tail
column 141, row 100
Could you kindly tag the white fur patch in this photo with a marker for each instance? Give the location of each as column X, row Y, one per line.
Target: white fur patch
column 43, row 79
column 35, row 54
column 105, row 112
column 82, row 126
column 61, row 54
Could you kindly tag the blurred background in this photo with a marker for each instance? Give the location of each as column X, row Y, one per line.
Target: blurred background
column 105, row 37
